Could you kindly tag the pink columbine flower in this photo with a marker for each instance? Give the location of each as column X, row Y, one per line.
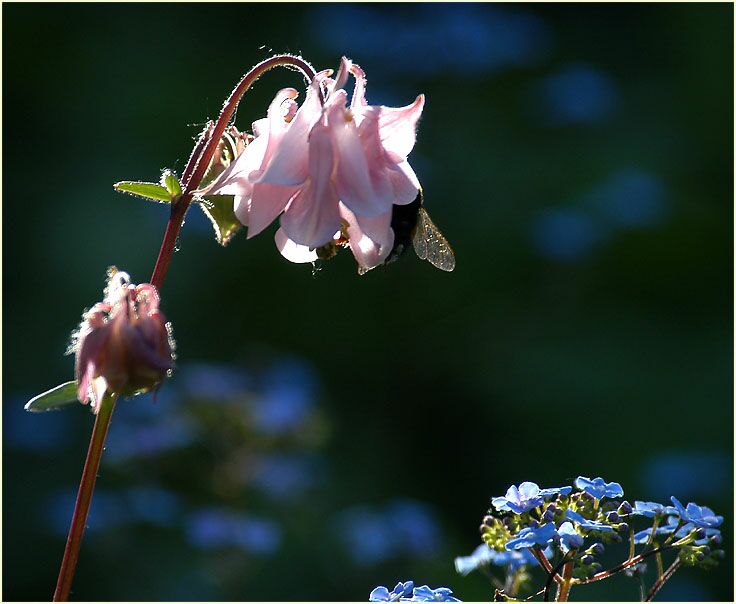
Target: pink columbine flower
column 333, row 170
column 124, row 343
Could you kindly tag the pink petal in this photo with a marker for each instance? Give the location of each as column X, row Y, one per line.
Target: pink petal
column 234, row 179
column 342, row 75
column 404, row 182
column 378, row 228
column 293, row 252
column 358, row 101
column 281, row 107
column 312, row 217
column 289, row 164
column 267, row 202
column 99, row 387
column 398, row 127
column 90, row 356
column 353, row 174
column 241, row 206
column 369, row 252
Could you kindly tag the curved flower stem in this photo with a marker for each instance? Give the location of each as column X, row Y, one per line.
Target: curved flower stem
column 662, row 580
column 205, row 149
column 84, row 497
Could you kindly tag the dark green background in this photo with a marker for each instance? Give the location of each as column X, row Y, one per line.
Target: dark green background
column 442, row 388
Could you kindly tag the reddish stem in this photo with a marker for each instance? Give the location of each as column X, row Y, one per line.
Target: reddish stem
column 84, row 498
column 203, row 153
column 192, row 176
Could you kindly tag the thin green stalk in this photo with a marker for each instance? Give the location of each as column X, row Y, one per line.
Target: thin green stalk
column 84, row 498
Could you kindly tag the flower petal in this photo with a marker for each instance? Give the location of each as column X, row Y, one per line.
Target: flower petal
column 312, row 217
column 354, row 176
column 404, row 182
column 398, row 127
column 293, row 252
column 289, row 164
column 267, row 202
column 370, row 239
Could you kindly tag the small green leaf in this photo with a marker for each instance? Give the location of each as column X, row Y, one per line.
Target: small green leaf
column 219, row 209
column 63, row 395
column 171, row 183
column 147, row 190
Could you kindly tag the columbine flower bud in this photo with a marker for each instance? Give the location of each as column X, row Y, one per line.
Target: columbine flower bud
column 123, row 344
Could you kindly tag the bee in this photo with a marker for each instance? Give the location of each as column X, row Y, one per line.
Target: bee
column 412, row 226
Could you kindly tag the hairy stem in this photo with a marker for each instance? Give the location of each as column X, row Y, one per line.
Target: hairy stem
column 84, row 498
column 662, row 580
column 204, row 151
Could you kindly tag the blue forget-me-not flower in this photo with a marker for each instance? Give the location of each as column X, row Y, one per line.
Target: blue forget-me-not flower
column 599, row 488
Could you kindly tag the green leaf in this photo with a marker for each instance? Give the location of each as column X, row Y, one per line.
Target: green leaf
column 171, row 183
column 219, row 209
column 147, row 190
column 57, row 398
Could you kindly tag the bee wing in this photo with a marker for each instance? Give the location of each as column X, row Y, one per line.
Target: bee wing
column 430, row 244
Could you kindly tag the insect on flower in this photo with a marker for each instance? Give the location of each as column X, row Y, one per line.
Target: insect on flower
column 413, row 226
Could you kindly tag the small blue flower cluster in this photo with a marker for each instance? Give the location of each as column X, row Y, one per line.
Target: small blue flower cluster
column 578, row 524
column 406, row 592
column 570, row 527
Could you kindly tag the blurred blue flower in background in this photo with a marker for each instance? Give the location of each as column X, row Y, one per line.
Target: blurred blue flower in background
column 36, row 431
column 629, row 198
column 401, row 527
column 147, row 437
column 576, row 94
column 566, row 233
column 484, row 555
column 212, row 381
column 286, row 475
column 481, row 556
column 214, row 528
column 690, row 474
column 286, row 397
column 427, row 40
column 153, row 504
column 147, row 504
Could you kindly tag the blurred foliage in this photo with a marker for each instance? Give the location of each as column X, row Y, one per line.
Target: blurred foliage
column 578, row 158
